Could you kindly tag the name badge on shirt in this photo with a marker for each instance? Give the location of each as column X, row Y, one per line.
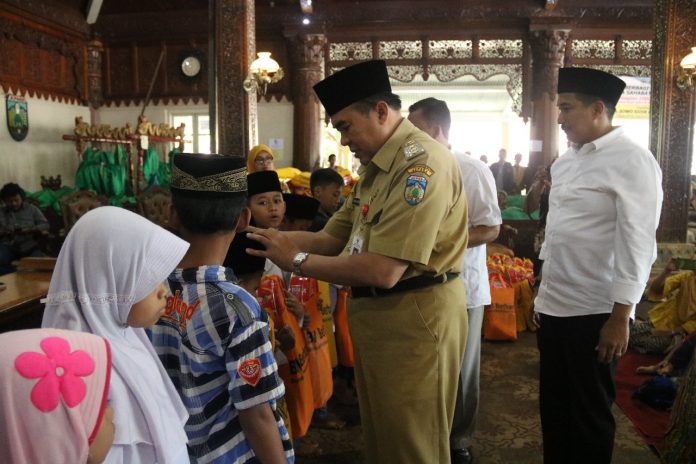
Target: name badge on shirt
column 357, row 245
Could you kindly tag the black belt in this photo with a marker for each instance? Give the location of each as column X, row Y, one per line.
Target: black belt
column 413, row 283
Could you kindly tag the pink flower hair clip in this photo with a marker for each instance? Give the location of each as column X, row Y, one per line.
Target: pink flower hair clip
column 60, row 371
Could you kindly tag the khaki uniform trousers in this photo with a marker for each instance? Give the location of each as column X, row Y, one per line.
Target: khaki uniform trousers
column 409, row 348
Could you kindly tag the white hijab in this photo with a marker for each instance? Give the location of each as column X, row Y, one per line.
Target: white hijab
column 111, row 259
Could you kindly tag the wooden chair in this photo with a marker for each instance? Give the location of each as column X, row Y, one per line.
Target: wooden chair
column 154, row 204
column 76, row 204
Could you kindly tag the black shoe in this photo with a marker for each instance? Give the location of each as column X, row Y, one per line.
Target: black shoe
column 461, row 456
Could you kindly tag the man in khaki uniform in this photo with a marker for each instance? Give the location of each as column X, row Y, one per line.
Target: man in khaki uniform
column 398, row 241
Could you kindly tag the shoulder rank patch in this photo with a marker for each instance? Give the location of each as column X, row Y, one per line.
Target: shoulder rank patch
column 413, row 149
column 250, row 371
column 422, row 169
column 415, row 189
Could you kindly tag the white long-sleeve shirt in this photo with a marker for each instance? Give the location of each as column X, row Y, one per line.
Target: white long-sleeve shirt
column 604, row 208
column 482, row 198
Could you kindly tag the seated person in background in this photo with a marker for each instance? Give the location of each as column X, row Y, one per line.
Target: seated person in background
column 326, row 186
column 509, row 209
column 676, row 362
column 300, row 211
column 674, row 315
column 19, row 223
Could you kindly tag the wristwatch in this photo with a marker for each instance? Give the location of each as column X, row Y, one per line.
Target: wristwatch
column 297, row 261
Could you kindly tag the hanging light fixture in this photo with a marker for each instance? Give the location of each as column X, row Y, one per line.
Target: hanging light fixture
column 263, row 71
column 685, row 79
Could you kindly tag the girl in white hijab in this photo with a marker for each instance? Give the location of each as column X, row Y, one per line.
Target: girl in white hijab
column 108, row 280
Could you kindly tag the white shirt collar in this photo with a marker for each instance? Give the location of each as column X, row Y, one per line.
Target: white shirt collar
column 601, row 142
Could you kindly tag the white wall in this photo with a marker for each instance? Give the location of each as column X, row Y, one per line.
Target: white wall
column 43, row 151
column 276, row 122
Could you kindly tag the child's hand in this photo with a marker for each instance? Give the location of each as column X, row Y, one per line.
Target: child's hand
column 294, row 305
column 285, row 338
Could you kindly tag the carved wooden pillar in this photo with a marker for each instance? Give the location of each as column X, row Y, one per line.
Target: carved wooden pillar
column 95, row 53
column 672, row 113
column 307, row 51
column 548, row 47
column 235, row 44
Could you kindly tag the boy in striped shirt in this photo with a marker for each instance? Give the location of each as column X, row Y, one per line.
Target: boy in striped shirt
column 214, row 338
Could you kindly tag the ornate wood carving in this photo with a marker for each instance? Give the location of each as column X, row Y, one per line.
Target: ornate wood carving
column 95, row 52
column 672, row 113
column 307, row 52
column 154, row 26
column 41, row 63
column 236, row 110
column 67, row 17
column 548, row 48
column 413, row 16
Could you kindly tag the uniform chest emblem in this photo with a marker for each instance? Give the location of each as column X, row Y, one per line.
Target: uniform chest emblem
column 422, row 169
column 413, row 149
column 415, row 189
column 250, row 371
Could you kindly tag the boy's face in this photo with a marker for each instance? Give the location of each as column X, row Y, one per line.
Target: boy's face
column 328, row 197
column 267, row 209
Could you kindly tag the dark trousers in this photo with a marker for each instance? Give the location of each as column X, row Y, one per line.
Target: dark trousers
column 575, row 391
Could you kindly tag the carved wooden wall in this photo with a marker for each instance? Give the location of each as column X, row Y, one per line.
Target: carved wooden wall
column 672, row 114
column 129, row 67
column 40, row 59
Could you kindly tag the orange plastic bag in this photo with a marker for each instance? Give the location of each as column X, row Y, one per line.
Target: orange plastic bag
column 327, row 316
column 307, row 291
column 344, row 343
column 295, row 373
column 499, row 319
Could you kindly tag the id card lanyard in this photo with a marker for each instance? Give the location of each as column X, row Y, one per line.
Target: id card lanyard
column 359, row 237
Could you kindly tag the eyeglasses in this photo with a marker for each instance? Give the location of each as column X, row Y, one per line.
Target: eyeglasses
column 263, row 160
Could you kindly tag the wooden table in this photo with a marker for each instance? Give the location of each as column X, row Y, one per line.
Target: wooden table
column 20, row 306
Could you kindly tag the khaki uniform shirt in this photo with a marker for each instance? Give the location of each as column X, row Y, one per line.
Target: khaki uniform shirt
column 409, row 204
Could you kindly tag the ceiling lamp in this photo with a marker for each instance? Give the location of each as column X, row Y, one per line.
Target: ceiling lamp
column 685, row 79
column 263, row 71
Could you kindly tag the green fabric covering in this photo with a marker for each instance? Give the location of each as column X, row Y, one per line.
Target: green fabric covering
column 114, row 172
column 122, row 200
column 50, row 198
column 515, row 200
column 105, row 172
column 514, row 213
column 165, row 169
column 151, row 167
column 89, row 172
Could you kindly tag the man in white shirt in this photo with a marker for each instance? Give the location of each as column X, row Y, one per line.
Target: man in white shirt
column 433, row 117
column 604, row 207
